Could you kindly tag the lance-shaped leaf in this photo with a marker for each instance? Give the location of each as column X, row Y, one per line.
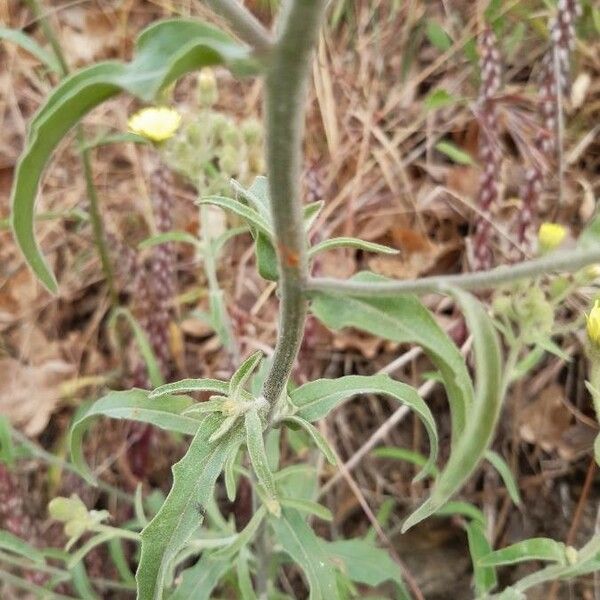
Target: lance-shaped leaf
column 300, row 542
column 244, row 537
column 315, row 434
column 241, row 376
column 531, row 549
column 349, row 242
column 194, row 478
column 199, row 581
column 191, row 385
column 141, row 340
column 259, row 460
column 403, row 319
column 505, row 473
column 164, row 52
column 485, row 576
column 164, row 412
column 20, row 547
column 363, row 562
column 474, row 440
column 16, row 36
column 314, row 400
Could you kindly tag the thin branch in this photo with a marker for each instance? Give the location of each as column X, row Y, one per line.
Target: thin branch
column 286, row 92
column 568, row 261
column 244, row 24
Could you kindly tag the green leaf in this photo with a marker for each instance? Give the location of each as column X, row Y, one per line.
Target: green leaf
column 190, row 385
column 141, row 340
column 507, row 477
column 26, row 42
column 198, row 582
column 349, row 242
column 116, row 138
column 266, row 258
column 230, row 479
column 214, row 404
column 163, row 412
column 302, row 545
column 474, row 440
column 315, row 434
column 258, row 458
column 170, row 236
column 310, row 213
column 405, row 320
column 531, row 549
column 416, row 458
column 363, row 562
column 437, row 36
column 244, row 579
column 194, row 478
column 243, row 538
column 465, row 509
column 454, row 153
column 243, row 373
column 485, row 576
column 16, row 545
column 314, row 400
column 439, row 98
column 257, row 195
column 308, row 506
column 164, row 52
column 7, row 450
column 251, row 216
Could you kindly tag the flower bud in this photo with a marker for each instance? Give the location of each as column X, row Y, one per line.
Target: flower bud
column 593, row 325
column 551, row 236
column 208, row 93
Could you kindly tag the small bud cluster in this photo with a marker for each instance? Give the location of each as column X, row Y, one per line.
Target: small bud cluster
column 556, row 63
column 489, row 150
column 214, row 148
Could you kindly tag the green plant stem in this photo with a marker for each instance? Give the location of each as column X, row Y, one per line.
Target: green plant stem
column 96, row 217
column 245, row 25
column 568, row 261
column 36, row 590
column 84, row 153
column 286, row 90
column 118, row 532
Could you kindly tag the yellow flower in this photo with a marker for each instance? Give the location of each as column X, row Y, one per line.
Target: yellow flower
column 550, row 236
column 593, row 324
column 157, row 124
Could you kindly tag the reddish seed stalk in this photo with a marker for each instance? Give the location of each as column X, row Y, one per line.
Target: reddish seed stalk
column 489, row 151
column 555, row 69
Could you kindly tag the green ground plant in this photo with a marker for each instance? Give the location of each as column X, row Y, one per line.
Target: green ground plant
column 187, row 549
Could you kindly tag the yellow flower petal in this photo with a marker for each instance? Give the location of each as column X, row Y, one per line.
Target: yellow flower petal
column 157, row 124
column 551, row 235
column 593, row 324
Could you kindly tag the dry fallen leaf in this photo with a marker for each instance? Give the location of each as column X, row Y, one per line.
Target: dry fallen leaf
column 29, row 395
column 546, row 419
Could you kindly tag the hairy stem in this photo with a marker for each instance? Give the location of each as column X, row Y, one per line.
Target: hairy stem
column 568, row 261
column 92, row 194
column 286, row 91
column 245, row 25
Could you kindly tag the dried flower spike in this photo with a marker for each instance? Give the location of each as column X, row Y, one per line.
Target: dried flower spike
column 489, row 149
column 555, row 64
column 157, row 124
